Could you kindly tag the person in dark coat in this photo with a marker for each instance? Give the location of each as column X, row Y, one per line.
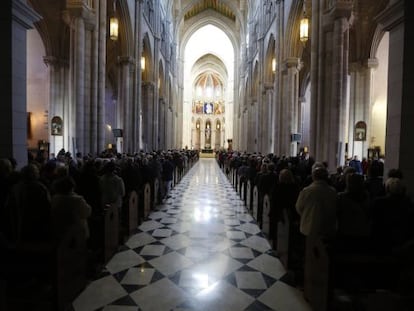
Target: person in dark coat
column 392, row 217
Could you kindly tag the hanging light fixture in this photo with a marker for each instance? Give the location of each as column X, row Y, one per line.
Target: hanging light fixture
column 113, row 25
column 274, row 65
column 304, row 26
column 142, row 63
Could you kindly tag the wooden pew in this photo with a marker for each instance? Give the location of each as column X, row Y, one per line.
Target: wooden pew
column 3, row 301
column 243, row 191
column 249, row 196
column 147, row 200
column 71, row 266
column 255, row 205
column 111, row 231
column 283, row 239
column 236, row 179
column 61, row 264
column 175, row 176
column 265, row 217
column 154, row 193
column 132, row 212
column 317, row 273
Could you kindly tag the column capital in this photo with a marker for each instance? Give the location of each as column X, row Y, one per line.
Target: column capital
column 342, row 8
column 292, row 62
column 126, row 60
column 302, row 99
column 79, row 9
column 372, row 63
column 268, row 86
column 53, row 61
column 148, row 84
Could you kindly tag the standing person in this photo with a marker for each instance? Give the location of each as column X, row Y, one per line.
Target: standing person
column 68, row 207
column 111, row 186
column 354, row 226
column 316, row 206
column 167, row 175
column 356, row 164
column 29, row 208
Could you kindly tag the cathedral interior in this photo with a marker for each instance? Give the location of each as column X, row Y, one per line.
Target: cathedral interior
column 275, row 77
column 327, row 78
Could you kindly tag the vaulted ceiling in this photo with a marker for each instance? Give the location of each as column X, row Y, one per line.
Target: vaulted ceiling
column 215, row 5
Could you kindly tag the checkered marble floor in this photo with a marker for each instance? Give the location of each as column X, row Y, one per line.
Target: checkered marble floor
column 200, row 250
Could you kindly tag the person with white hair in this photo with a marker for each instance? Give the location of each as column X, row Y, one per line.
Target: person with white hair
column 316, row 205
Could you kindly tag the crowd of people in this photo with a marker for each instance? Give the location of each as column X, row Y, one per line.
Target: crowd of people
column 40, row 201
column 355, row 209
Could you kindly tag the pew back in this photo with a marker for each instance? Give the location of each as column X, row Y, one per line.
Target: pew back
column 249, row 194
column 255, row 205
column 132, row 212
column 147, row 200
column 111, row 227
column 283, row 230
column 265, row 216
column 316, row 287
column 71, row 266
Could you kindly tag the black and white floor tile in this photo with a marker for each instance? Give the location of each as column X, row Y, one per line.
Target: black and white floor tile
column 200, row 250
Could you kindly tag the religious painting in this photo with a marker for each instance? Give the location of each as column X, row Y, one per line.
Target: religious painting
column 57, row 126
column 217, row 108
column 199, row 107
column 360, row 131
column 208, row 108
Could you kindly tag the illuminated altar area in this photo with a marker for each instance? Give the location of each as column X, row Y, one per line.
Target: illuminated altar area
column 207, row 113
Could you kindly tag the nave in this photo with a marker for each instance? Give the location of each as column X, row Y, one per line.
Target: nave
column 200, row 250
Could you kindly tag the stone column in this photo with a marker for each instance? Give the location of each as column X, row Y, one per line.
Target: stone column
column 162, row 124
column 277, row 114
column 266, row 119
column 95, row 81
column 81, row 19
column 88, row 86
column 78, row 82
column 252, row 126
column 202, row 135
column 329, row 80
column 137, row 109
column 303, row 128
column 124, row 107
column 17, row 17
column 315, row 109
column 57, row 82
column 360, row 105
column 291, row 115
column 101, row 76
column 244, row 128
column 148, row 114
column 400, row 110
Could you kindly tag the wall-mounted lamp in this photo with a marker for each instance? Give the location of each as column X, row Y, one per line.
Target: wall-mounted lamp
column 198, row 126
column 304, row 26
column 304, row 29
column 113, row 25
column 142, row 63
column 274, row 65
column 218, row 126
